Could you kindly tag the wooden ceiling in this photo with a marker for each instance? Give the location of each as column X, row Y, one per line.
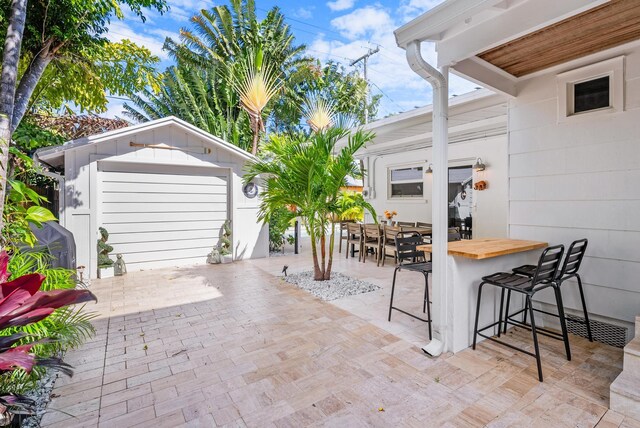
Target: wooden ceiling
column 594, row 30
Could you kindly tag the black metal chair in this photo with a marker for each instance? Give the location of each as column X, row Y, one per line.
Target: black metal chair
column 544, row 276
column 406, row 250
column 572, row 261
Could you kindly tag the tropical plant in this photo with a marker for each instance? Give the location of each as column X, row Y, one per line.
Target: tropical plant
column 21, row 304
column 22, row 208
column 279, row 223
column 352, row 206
column 66, row 328
column 252, row 57
column 227, row 34
column 317, row 82
column 256, row 83
column 69, row 33
column 307, row 174
column 201, row 97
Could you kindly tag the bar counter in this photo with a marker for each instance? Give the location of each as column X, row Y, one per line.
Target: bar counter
column 467, row 262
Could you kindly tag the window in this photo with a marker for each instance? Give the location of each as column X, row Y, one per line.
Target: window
column 406, row 182
column 594, row 89
column 591, row 95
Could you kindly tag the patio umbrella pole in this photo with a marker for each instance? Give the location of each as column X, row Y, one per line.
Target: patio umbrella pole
column 440, row 139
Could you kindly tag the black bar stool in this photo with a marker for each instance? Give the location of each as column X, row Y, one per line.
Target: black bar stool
column 406, row 249
column 570, row 267
column 544, row 276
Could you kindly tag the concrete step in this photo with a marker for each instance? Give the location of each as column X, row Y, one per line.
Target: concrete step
column 625, row 395
column 631, row 361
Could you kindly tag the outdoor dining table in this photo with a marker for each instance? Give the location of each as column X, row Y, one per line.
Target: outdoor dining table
column 468, row 261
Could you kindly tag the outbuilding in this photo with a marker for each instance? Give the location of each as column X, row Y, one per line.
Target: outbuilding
column 162, row 189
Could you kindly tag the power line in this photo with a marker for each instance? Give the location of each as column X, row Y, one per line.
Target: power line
column 385, row 94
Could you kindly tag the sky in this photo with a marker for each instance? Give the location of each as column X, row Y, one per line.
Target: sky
column 337, row 30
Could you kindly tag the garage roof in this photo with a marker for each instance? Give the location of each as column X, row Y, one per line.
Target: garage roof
column 54, row 156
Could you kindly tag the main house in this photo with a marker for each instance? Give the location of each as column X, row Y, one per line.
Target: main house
column 569, row 72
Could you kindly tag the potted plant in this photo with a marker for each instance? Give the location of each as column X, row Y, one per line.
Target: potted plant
column 389, row 215
column 105, row 264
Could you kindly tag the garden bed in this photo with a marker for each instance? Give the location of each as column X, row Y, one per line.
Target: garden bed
column 337, row 287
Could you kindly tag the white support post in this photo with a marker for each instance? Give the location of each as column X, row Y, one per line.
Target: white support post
column 438, row 81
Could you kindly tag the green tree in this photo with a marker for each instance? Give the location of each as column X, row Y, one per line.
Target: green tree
column 249, row 55
column 198, row 96
column 39, row 33
column 346, row 90
column 307, row 174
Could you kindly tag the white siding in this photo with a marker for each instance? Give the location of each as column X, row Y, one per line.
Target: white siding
column 579, row 179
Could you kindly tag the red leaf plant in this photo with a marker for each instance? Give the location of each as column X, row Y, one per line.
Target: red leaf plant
column 22, row 303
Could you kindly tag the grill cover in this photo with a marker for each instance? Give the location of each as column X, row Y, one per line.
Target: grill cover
column 59, row 242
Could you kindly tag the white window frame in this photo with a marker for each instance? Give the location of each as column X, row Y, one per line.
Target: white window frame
column 613, row 68
column 391, row 168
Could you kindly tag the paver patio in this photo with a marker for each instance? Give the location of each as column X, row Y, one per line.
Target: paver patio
column 232, row 345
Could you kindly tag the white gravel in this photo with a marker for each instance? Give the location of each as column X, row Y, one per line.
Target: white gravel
column 337, row 287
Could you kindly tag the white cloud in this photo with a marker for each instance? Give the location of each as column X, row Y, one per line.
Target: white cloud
column 369, row 19
column 338, row 5
column 119, row 31
column 388, row 69
column 303, row 12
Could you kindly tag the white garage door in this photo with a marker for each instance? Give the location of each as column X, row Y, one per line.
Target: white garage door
column 161, row 216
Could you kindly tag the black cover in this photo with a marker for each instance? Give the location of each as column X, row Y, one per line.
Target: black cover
column 59, row 242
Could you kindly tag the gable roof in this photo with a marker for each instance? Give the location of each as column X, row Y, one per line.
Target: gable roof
column 52, row 154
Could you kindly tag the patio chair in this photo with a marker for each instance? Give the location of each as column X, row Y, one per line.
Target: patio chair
column 453, row 234
column 405, row 224
column 406, row 250
column 544, row 276
column 372, row 238
column 421, row 224
column 389, row 243
column 343, row 234
column 354, row 237
column 570, row 267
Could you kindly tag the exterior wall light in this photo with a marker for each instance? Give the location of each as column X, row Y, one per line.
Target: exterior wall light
column 479, row 166
column 429, row 169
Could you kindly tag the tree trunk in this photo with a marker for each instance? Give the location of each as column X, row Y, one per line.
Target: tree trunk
column 8, row 78
column 332, row 240
column 28, row 84
column 323, row 250
column 317, row 273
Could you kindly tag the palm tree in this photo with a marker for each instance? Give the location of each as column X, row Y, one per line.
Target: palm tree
column 256, row 84
column 198, row 96
column 307, row 174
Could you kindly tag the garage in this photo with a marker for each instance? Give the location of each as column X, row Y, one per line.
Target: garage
column 162, row 189
column 158, row 216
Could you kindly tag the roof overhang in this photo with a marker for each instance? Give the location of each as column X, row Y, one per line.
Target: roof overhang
column 478, row 114
column 54, row 156
column 493, row 43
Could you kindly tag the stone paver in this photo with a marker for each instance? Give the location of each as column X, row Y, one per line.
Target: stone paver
column 232, row 345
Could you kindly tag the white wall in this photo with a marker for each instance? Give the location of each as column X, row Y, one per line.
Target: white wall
column 579, row 179
column 250, row 238
column 491, row 207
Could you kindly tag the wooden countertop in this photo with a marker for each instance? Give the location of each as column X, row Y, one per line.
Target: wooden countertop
column 486, row 248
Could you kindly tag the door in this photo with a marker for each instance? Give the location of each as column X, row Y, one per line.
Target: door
column 161, row 216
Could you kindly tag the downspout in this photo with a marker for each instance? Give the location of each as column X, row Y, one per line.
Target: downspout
column 39, row 169
column 440, row 133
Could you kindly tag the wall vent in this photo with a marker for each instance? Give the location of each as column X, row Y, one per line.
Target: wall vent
column 609, row 334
